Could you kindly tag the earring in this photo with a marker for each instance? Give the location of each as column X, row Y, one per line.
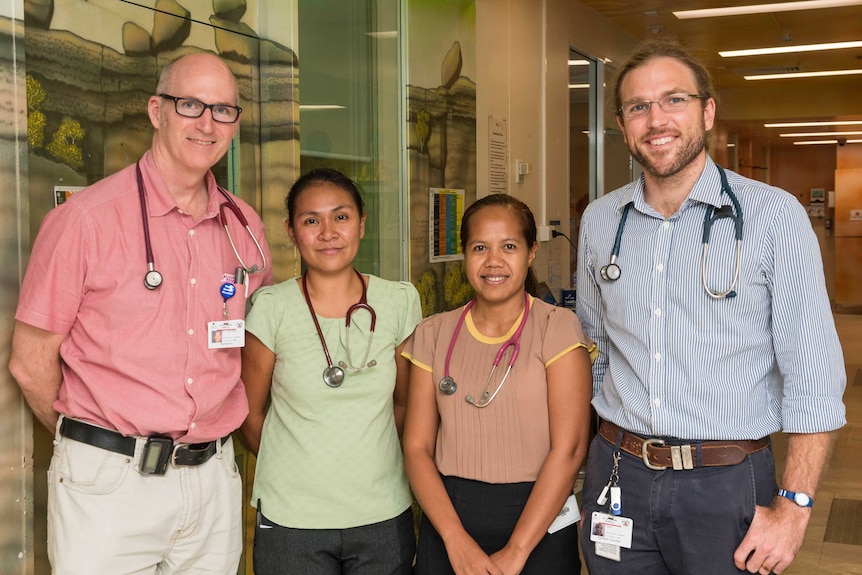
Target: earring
column 295, row 263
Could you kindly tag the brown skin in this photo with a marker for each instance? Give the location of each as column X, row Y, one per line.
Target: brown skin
column 497, row 258
column 326, row 230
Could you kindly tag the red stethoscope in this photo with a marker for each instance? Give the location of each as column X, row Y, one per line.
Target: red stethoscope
column 333, row 375
column 447, row 384
column 153, row 278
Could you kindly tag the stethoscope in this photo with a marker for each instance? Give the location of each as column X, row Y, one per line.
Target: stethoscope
column 447, row 383
column 611, row 271
column 333, row 375
column 153, row 278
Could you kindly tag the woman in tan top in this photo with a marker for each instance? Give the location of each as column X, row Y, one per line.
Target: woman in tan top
column 492, row 452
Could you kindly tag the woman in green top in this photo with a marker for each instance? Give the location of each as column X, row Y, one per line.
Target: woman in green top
column 326, row 386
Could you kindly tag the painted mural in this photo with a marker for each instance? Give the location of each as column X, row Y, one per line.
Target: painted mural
column 16, row 461
column 92, row 65
column 441, row 135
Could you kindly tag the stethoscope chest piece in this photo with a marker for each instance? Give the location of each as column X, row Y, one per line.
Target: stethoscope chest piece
column 611, row 272
column 448, row 385
column 152, row 280
column 333, row 376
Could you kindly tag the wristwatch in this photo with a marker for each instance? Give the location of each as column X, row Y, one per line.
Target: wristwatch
column 799, row 498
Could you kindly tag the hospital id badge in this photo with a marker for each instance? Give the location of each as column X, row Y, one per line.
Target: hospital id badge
column 569, row 514
column 226, row 333
column 611, row 529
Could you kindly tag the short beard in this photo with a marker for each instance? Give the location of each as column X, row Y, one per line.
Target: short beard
column 685, row 157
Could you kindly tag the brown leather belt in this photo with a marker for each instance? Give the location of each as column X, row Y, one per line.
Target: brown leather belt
column 656, row 455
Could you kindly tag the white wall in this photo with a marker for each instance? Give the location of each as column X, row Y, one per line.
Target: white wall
column 522, row 75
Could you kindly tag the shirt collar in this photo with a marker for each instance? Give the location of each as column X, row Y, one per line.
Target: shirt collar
column 159, row 199
column 707, row 190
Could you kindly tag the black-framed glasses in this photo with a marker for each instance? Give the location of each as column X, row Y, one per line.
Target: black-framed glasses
column 191, row 108
column 671, row 103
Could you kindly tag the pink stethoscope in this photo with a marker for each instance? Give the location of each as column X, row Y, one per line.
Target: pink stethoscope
column 447, row 383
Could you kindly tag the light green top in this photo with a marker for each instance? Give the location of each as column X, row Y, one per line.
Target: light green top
column 330, row 458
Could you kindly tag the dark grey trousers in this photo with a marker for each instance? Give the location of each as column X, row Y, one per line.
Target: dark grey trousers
column 385, row 548
column 688, row 521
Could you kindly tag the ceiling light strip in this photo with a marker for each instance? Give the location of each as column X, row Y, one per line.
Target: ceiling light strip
column 819, row 74
column 811, row 142
column 764, row 8
column 790, row 49
column 812, row 124
column 815, row 134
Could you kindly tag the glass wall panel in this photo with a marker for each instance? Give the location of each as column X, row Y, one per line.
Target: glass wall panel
column 582, row 147
column 349, row 111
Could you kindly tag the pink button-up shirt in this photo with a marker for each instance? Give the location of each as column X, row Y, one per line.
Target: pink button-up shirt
column 137, row 360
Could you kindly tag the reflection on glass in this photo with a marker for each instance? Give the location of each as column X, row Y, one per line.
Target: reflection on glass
column 349, row 83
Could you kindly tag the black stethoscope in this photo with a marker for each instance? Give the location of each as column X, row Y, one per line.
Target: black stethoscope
column 447, row 384
column 611, row 271
column 333, row 375
column 153, row 278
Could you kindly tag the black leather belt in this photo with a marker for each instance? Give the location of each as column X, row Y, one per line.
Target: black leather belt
column 181, row 453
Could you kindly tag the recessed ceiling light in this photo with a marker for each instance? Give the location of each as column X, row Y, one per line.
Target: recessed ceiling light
column 810, row 124
column 803, row 74
column 731, row 145
column 578, row 86
column 579, row 62
column 809, row 134
column 384, row 35
column 790, row 49
column 765, row 8
column 312, row 107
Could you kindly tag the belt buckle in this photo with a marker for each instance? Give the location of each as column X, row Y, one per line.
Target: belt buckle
column 645, row 456
column 177, row 447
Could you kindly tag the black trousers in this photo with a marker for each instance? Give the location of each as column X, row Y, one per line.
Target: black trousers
column 489, row 513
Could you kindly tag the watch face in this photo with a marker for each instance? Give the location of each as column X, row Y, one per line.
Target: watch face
column 801, row 499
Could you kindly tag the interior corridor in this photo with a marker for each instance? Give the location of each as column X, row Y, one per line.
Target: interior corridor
column 833, row 543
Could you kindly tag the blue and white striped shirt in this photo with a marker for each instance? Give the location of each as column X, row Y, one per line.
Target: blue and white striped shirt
column 675, row 362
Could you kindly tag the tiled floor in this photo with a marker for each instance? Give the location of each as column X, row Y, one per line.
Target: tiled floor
column 842, row 480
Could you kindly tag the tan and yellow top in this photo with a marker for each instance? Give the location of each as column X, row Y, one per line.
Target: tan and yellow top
column 507, row 441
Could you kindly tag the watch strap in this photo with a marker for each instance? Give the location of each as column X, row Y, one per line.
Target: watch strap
column 797, row 497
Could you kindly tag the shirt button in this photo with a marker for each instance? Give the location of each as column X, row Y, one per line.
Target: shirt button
column 658, row 311
column 189, row 381
column 656, row 402
column 193, row 425
column 666, row 225
column 191, row 332
column 193, row 281
column 660, row 267
column 657, row 357
column 191, row 232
